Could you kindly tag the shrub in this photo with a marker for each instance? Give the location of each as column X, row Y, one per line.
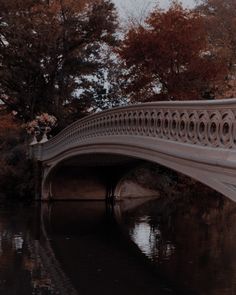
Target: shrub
column 16, row 177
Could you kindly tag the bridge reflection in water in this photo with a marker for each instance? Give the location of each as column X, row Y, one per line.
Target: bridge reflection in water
column 158, row 247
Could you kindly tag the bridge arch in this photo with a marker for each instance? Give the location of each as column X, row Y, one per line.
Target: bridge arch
column 185, row 166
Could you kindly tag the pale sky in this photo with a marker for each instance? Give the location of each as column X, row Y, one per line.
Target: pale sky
column 138, row 8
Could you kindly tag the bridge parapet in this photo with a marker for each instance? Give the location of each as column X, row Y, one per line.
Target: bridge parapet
column 200, row 123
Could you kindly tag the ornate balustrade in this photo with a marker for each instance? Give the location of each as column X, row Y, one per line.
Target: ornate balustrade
column 203, row 123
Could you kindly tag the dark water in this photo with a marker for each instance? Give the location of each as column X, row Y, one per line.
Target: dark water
column 186, row 246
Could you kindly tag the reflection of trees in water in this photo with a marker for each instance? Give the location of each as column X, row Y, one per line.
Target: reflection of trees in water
column 40, row 276
column 45, row 269
column 191, row 240
column 20, row 270
column 49, row 265
column 27, row 264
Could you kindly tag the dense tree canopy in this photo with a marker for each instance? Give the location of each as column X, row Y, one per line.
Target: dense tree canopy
column 49, row 50
column 169, row 57
column 55, row 56
column 220, row 18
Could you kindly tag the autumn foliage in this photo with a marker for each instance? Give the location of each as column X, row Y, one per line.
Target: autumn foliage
column 64, row 58
column 220, row 19
column 169, row 58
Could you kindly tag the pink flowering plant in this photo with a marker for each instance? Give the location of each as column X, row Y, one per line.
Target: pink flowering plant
column 32, row 127
column 42, row 123
column 46, row 120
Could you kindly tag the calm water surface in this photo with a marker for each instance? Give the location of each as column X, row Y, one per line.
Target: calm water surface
column 186, row 246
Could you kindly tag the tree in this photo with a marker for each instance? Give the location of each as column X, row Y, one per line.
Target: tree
column 112, row 82
column 48, row 52
column 169, row 57
column 220, row 18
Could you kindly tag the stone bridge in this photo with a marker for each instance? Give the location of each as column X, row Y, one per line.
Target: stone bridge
column 196, row 138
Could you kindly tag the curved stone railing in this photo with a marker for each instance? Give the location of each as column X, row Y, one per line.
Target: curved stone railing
column 202, row 123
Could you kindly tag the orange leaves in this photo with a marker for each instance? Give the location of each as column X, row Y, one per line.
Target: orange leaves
column 8, row 125
column 220, row 18
column 221, row 24
column 170, row 53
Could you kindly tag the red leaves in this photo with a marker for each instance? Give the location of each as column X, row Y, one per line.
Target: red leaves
column 220, row 18
column 170, row 53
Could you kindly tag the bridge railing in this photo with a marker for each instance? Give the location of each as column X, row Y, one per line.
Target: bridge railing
column 203, row 123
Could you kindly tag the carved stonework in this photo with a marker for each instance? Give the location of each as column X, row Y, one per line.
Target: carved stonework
column 209, row 123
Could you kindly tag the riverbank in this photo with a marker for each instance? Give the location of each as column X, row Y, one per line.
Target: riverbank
column 160, row 181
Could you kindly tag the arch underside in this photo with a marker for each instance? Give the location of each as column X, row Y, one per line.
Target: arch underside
column 212, row 167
